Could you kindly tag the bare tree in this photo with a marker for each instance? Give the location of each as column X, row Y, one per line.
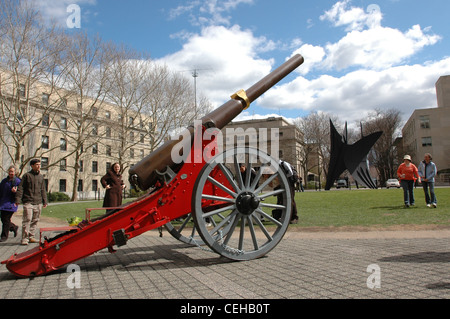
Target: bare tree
column 133, row 81
column 317, row 144
column 171, row 104
column 27, row 64
column 383, row 156
column 89, row 64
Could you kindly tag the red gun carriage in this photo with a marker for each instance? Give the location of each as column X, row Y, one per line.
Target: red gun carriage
column 227, row 208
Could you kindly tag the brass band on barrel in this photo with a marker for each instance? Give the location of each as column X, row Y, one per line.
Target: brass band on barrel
column 242, row 95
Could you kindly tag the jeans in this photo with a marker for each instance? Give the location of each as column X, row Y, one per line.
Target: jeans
column 408, row 191
column 430, row 197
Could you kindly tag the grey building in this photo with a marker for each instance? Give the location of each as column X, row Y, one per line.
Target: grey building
column 428, row 131
column 275, row 135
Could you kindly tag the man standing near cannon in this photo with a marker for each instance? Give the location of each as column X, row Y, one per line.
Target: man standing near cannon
column 31, row 192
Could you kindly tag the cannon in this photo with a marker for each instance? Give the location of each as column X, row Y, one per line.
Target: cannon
column 231, row 212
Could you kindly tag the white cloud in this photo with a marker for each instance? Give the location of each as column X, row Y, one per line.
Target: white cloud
column 369, row 63
column 357, row 93
column 227, row 59
column 367, row 43
column 313, row 55
column 370, row 67
column 376, row 48
column 354, row 18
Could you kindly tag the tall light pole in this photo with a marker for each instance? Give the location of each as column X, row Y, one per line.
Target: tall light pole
column 195, row 76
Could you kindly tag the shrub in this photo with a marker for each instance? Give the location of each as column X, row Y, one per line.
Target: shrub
column 57, row 197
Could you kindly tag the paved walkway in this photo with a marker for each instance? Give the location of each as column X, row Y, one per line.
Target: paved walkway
column 304, row 265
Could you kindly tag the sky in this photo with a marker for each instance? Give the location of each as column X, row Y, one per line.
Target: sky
column 359, row 55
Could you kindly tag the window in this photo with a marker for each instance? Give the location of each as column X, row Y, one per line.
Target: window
column 142, row 139
column 94, row 167
column 425, row 122
column 45, row 120
column 95, row 149
column 63, row 144
column 45, row 142
column 95, row 129
column 131, row 153
column 22, row 90
column 108, row 150
column 94, row 185
column 63, row 165
column 108, row 132
column 62, row 185
column 44, row 163
column 63, row 123
column 45, row 99
column 20, row 114
column 108, row 166
column 81, row 166
column 80, row 185
column 427, row 141
column 108, row 115
column 94, row 111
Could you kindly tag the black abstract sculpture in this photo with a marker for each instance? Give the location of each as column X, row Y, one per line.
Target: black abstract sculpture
column 350, row 157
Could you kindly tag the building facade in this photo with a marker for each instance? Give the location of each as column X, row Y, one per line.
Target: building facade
column 274, row 135
column 70, row 136
column 428, row 131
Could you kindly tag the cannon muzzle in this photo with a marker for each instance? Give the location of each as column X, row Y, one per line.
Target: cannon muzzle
column 144, row 174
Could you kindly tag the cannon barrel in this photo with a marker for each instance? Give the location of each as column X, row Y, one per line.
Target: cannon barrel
column 143, row 174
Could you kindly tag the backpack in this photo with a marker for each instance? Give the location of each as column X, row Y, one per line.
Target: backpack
column 294, row 177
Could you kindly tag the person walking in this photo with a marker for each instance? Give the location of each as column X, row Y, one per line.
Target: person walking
column 31, row 192
column 408, row 173
column 427, row 172
column 8, row 189
column 114, row 185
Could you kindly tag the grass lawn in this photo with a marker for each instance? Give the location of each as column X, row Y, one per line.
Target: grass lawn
column 336, row 208
column 381, row 207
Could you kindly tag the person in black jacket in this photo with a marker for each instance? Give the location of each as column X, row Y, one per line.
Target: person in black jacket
column 31, row 192
column 114, row 185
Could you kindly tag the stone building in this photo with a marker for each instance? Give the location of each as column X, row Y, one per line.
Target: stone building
column 59, row 121
column 275, row 135
column 428, row 131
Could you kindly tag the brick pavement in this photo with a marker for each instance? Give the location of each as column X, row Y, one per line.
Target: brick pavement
column 302, row 266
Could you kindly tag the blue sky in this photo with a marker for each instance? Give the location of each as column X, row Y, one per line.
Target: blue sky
column 359, row 55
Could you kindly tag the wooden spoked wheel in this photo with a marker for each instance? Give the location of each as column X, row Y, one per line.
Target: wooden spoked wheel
column 252, row 215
